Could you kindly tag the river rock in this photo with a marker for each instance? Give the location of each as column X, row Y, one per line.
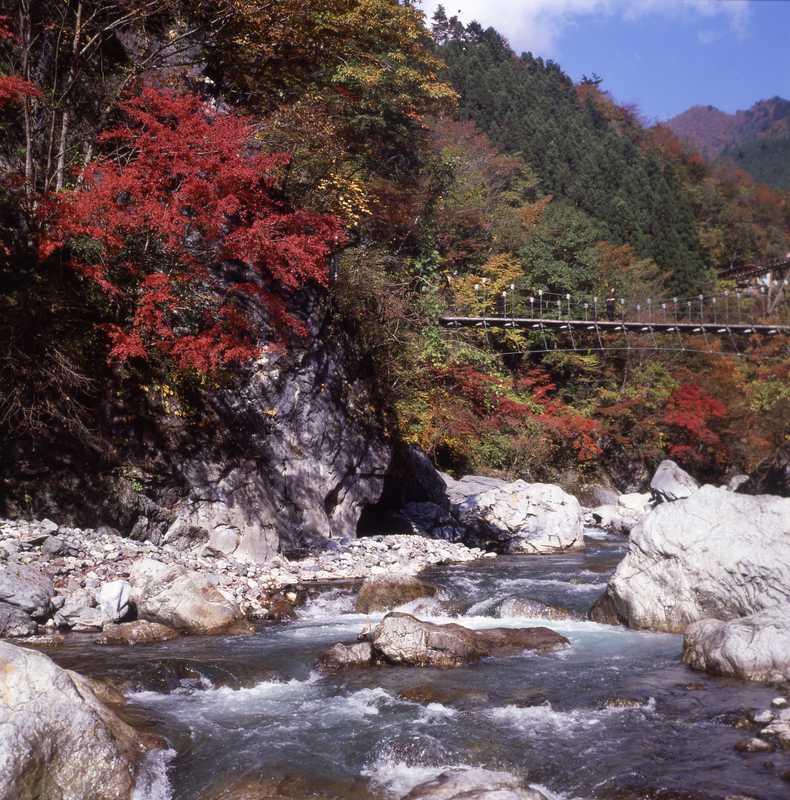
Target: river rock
column 114, row 600
column 60, row 742
column 715, row 554
column 26, row 588
column 138, row 632
column 15, row 622
column 524, row 518
column 341, row 656
column 525, row 607
column 754, row 648
column 473, row 784
column 290, row 787
column 635, row 501
column 386, row 593
column 617, row 519
column 670, row 483
column 79, row 613
column 183, row 600
column 403, row 639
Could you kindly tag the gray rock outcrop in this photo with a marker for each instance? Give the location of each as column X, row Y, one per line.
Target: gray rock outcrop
column 15, row 622
column 60, row 742
column 755, row 648
column 182, row 600
column 27, row 589
column 522, row 517
column 282, row 459
column 670, row 483
column 714, row 554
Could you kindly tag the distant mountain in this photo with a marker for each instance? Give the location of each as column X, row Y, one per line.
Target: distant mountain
column 758, row 140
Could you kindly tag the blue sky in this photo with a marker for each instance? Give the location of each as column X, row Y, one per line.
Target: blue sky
column 663, row 55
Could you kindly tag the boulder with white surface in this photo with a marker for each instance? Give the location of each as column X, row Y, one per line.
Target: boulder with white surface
column 715, row 554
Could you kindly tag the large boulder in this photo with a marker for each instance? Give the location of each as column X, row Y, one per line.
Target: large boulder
column 670, row 483
column 183, row 600
column 754, row 648
column 386, row 593
column 473, row 784
column 27, row 589
column 405, row 640
column 521, row 517
column 714, row 554
column 60, row 741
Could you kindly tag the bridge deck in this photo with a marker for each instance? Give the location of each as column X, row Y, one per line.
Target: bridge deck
column 607, row 326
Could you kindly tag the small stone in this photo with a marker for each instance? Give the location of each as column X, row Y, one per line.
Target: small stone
column 754, row 745
column 763, row 718
column 779, row 702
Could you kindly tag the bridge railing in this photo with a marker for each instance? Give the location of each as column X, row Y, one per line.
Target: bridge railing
column 752, row 305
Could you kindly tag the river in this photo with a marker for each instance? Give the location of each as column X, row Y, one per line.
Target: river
column 615, row 711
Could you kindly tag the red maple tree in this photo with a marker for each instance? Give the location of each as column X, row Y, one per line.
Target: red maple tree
column 179, row 224
column 689, row 414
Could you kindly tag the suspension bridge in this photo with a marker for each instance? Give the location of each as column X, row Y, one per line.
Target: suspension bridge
column 737, row 318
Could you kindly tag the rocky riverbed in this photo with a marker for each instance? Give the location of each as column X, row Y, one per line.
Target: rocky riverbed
column 46, row 568
column 481, row 678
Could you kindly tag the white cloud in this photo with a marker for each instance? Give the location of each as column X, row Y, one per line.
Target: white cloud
column 537, row 25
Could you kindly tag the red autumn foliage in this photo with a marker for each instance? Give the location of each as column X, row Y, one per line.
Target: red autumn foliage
column 184, row 203
column 13, row 88
column 689, row 413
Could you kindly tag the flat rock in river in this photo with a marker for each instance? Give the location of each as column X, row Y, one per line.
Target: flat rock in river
column 473, row 784
column 138, row 632
column 406, row 640
column 386, row 593
column 715, row 554
column 755, row 648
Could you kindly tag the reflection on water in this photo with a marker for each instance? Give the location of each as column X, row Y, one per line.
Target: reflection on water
column 617, row 710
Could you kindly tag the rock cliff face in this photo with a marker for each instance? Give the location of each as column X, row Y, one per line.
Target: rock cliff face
column 284, row 458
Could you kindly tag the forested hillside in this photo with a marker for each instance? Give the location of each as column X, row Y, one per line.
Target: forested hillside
column 185, row 185
column 756, row 140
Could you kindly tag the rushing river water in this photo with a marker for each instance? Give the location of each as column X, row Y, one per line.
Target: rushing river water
column 615, row 711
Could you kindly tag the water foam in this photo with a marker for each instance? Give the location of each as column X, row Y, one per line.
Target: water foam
column 331, row 604
column 152, row 781
column 543, row 718
column 264, row 689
